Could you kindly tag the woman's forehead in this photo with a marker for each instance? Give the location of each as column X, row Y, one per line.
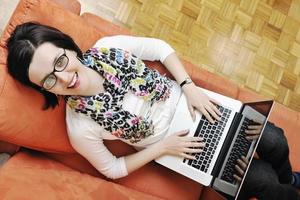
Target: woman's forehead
column 42, row 61
column 45, row 51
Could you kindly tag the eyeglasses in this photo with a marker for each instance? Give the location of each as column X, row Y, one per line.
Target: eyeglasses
column 60, row 65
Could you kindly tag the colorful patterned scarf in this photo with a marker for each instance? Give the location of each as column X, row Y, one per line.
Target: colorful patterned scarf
column 122, row 72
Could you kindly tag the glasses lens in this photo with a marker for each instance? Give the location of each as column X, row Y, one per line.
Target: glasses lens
column 61, row 63
column 49, row 82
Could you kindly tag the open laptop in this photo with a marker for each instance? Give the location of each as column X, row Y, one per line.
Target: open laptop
column 225, row 141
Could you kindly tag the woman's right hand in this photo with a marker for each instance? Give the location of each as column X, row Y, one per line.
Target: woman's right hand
column 179, row 145
column 240, row 168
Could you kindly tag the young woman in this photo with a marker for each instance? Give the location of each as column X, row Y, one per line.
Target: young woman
column 111, row 94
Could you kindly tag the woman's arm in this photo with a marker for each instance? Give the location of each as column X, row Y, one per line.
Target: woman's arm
column 156, row 49
column 85, row 137
column 176, row 144
column 196, row 98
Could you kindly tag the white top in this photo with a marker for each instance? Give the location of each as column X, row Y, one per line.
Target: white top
column 86, row 136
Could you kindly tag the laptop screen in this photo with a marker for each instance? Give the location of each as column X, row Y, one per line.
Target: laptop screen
column 237, row 145
column 264, row 108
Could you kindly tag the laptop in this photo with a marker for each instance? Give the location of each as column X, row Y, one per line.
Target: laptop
column 225, row 141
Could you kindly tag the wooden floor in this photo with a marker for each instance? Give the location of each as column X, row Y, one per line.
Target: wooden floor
column 255, row 43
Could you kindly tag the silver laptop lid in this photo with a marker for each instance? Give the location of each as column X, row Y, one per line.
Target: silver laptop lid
column 258, row 112
column 265, row 108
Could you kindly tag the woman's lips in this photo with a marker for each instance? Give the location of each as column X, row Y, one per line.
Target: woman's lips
column 75, row 81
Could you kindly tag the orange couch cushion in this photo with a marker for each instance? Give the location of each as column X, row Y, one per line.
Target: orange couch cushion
column 9, row 148
column 151, row 178
column 33, row 177
column 22, row 121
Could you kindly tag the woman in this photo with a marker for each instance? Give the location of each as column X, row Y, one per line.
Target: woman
column 110, row 94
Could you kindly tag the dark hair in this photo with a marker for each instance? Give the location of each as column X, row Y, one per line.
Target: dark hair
column 21, row 47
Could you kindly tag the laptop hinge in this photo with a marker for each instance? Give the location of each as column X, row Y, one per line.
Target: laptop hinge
column 226, row 145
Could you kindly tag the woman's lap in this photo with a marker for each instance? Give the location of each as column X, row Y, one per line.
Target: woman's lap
column 269, row 176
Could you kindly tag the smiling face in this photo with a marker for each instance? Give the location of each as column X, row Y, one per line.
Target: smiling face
column 71, row 80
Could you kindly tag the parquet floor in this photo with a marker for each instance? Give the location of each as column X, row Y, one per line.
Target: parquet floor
column 255, row 43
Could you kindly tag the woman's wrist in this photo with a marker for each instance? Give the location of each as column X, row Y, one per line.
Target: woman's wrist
column 188, row 87
column 159, row 146
column 185, row 81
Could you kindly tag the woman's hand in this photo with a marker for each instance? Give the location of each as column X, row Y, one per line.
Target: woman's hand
column 179, row 145
column 253, row 131
column 199, row 100
column 240, row 168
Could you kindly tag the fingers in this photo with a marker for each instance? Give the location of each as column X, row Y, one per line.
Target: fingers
column 245, row 160
column 242, row 164
column 212, row 112
column 207, row 107
column 191, row 146
column 241, row 168
column 207, row 115
column 188, row 156
column 253, row 132
column 192, row 111
column 216, row 111
column 214, row 101
column 183, row 132
column 191, row 150
column 252, row 137
column 257, row 127
column 237, row 178
column 194, row 144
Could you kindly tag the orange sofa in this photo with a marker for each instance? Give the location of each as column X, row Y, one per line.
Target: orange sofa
column 54, row 170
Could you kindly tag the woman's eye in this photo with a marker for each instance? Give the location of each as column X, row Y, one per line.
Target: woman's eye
column 49, row 82
column 61, row 63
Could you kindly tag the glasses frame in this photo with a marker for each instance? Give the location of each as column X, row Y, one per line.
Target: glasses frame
column 64, row 55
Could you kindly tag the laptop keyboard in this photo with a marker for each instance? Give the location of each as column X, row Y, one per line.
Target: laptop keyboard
column 211, row 134
column 240, row 148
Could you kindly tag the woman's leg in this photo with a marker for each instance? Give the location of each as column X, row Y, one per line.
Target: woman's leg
column 273, row 148
column 262, row 182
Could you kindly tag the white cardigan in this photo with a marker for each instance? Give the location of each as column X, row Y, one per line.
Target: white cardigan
column 86, row 136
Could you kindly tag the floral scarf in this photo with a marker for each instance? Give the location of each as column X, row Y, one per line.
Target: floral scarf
column 122, row 72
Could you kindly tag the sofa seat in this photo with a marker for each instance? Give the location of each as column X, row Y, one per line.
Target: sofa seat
column 31, row 176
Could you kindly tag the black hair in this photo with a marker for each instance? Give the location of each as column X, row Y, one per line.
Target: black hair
column 21, row 47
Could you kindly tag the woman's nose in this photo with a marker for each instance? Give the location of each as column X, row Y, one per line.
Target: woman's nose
column 63, row 77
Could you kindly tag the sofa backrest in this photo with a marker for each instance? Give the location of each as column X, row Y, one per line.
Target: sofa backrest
column 22, row 120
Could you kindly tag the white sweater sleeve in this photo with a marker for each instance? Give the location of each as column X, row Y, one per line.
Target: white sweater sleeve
column 144, row 48
column 85, row 138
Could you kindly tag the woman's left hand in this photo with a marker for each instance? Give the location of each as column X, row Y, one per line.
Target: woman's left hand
column 199, row 100
column 253, row 131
